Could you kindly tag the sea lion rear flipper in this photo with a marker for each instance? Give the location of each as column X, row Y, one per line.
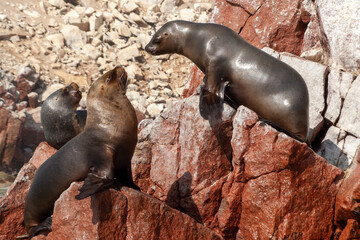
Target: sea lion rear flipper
column 93, row 184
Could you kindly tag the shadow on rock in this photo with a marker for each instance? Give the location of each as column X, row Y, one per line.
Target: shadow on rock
column 179, row 197
column 213, row 113
column 333, row 154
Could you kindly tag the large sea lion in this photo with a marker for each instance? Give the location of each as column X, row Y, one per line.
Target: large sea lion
column 242, row 73
column 100, row 155
column 59, row 118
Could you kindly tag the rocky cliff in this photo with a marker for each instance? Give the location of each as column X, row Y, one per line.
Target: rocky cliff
column 228, row 177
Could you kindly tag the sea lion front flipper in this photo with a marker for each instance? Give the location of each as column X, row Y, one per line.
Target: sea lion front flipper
column 93, row 183
column 33, row 231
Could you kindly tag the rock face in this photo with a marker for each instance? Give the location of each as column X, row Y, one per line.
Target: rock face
column 315, row 31
column 230, row 176
column 265, row 193
column 339, row 23
column 347, row 207
column 112, row 214
column 12, row 204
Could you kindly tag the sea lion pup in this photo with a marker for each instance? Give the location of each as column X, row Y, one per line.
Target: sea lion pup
column 242, row 73
column 100, row 155
column 59, row 118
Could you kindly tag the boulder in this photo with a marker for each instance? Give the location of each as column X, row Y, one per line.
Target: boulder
column 347, row 206
column 12, row 204
column 111, row 214
column 10, row 141
column 339, row 23
column 258, row 186
column 349, row 118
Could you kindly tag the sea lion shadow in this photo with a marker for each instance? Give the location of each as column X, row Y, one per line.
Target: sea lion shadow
column 341, row 161
column 179, row 197
column 101, row 205
column 213, row 113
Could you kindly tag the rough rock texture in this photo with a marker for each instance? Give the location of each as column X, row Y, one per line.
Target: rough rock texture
column 112, row 214
column 340, row 24
column 12, row 204
column 347, row 207
column 232, row 174
column 10, row 132
column 265, row 194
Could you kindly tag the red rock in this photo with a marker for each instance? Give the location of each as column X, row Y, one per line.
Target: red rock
column 229, row 15
column 26, row 81
column 124, row 214
column 250, row 6
column 275, row 181
column 347, row 205
column 351, row 231
column 195, row 79
column 12, row 142
column 12, row 204
column 277, row 24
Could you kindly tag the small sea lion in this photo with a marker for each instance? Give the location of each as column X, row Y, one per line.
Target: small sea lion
column 100, row 155
column 240, row 72
column 58, row 116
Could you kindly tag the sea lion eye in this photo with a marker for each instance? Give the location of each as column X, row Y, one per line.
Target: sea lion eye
column 66, row 90
column 107, row 80
column 157, row 39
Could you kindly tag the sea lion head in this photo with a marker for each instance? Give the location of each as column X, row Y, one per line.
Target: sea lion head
column 167, row 39
column 110, row 85
column 69, row 94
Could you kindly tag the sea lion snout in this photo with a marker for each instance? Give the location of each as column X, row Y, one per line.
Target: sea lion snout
column 150, row 48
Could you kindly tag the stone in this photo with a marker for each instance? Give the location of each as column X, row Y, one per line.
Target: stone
column 11, row 141
column 89, row 11
column 226, row 14
column 50, row 89
column 331, row 149
column 349, row 118
column 250, row 6
column 334, row 101
column 282, row 31
column 129, row 53
column 153, row 110
column 138, row 20
column 95, row 21
column 130, row 7
column 187, row 14
column 32, row 132
column 169, row 5
column 74, row 37
column 123, row 29
column 347, row 204
column 57, row 3
column 91, row 51
column 132, row 95
column 339, row 24
column 350, row 145
column 111, row 214
column 314, row 75
column 57, row 40
column 134, row 72
column 21, row 105
column 12, row 204
column 227, row 198
column 203, row 6
column 143, row 39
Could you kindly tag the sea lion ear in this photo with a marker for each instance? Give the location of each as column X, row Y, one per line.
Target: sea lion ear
column 122, row 78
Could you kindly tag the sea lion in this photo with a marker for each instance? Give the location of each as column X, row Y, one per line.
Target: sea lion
column 100, row 155
column 59, row 117
column 240, row 72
